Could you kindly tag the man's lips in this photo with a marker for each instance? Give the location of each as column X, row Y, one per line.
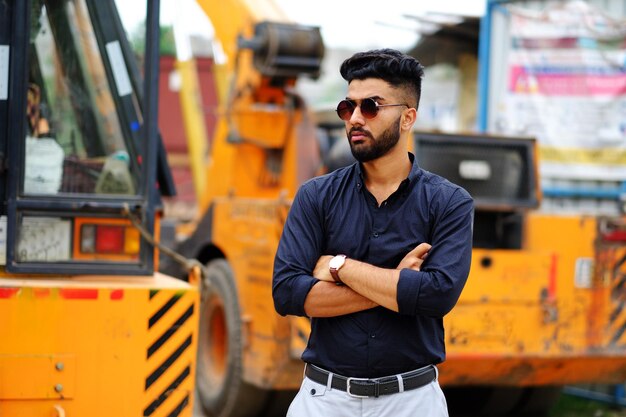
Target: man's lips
column 357, row 136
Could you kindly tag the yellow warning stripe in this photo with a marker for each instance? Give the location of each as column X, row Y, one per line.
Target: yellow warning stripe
column 606, row 156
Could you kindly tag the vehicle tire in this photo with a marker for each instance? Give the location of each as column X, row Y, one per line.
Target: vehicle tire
column 219, row 376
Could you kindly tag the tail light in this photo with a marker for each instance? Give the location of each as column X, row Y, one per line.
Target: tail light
column 612, row 230
column 104, row 239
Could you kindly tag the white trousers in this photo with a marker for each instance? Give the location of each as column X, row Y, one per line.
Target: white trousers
column 317, row 400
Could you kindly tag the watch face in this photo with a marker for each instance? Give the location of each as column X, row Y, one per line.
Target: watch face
column 336, row 262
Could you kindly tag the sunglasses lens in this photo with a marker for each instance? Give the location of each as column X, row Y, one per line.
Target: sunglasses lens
column 369, row 109
column 345, row 109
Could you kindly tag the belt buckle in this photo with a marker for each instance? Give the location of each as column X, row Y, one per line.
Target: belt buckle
column 349, row 385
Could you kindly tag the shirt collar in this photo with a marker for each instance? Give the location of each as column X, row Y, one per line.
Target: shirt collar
column 413, row 175
column 415, row 169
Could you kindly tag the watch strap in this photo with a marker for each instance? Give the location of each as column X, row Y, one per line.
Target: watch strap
column 335, row 274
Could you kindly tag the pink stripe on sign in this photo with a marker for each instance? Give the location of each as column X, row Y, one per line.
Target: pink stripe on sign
column 523, row 82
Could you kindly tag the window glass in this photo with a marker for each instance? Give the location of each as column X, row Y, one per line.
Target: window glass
column 74, row 141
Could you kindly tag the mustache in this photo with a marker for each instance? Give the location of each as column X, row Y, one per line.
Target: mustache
column 359, row 130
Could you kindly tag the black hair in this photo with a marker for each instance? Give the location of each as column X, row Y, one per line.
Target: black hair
column 398, row 69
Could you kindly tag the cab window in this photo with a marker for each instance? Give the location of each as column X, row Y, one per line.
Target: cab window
column 74, row 140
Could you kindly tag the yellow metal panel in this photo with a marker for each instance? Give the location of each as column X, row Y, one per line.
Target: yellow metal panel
column 43, row 376
column 525, row 319
column 128, row 342
column 509, row 276
column 248, row 230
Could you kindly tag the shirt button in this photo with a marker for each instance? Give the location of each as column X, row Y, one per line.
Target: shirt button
column 313, row 391
column 373, row 336
column 375, row 234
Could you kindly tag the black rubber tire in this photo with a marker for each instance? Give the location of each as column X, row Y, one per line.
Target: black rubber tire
column 219, row 376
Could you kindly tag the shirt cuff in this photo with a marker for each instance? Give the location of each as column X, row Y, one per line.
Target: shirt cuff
column 302, row 287
column 409, row 286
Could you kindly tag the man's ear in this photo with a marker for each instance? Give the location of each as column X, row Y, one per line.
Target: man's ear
column 408, row 119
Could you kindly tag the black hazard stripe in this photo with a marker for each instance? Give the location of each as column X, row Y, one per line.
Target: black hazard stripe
column 172, row 367
column 171, row 331
column 163, row 310
column 167, row 392
column 617, row 296
column 180, row 407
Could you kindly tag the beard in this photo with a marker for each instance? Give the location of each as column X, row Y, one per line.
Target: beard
column 375, row 147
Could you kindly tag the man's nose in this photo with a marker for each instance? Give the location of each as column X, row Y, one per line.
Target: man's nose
column 357, row 117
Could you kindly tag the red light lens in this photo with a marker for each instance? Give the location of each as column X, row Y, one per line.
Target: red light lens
column 612, row 230
column 615, row 236
column 109, row 239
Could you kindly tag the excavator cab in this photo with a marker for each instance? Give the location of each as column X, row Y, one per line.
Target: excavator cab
column 78, row 152
column 87, row 325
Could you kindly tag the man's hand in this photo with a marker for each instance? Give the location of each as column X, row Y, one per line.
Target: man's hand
column 322, row 269
column 414, row 259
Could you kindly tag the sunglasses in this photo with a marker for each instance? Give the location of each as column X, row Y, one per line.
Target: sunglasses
column 369, row 108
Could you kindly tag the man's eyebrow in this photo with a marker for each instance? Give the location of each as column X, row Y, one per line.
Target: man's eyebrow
column 372, row 97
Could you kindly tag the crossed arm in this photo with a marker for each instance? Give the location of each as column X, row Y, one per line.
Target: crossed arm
column 366, row 286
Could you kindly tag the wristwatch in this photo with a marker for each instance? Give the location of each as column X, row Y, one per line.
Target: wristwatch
column 334, row 265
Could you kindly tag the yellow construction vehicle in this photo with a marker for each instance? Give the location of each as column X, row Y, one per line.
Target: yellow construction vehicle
column 87, row 327
column 264, row 146
column 542, row 305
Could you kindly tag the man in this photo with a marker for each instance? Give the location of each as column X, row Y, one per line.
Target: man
column 356, row 257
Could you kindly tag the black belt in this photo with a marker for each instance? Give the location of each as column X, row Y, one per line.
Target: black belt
column 373, row 387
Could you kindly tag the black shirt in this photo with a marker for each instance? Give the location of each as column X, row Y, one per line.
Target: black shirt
column 334, row 214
